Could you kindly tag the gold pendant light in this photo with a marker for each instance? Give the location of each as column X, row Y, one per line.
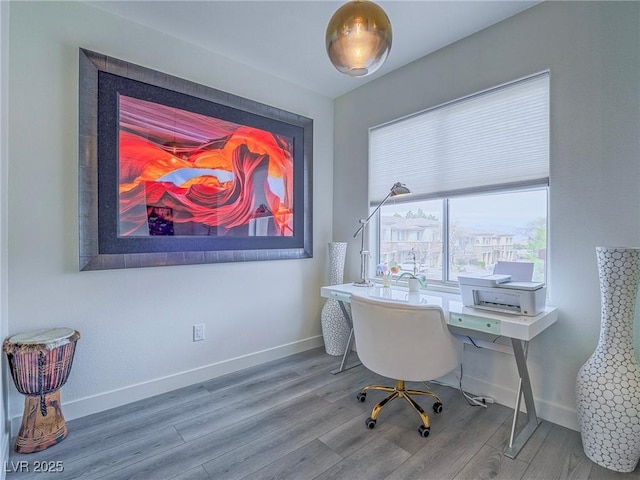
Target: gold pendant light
column 358, row 38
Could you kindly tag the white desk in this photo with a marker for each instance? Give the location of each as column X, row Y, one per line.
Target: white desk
column 471, row 322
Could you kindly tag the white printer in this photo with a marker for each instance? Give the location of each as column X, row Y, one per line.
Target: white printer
column 508, row 290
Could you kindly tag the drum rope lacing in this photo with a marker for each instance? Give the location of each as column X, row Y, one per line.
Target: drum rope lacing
column 43, row 405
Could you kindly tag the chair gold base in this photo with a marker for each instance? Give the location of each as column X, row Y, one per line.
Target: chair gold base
column 400, row 391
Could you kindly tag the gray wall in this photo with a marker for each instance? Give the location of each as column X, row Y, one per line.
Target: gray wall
column 4, row 111
column 136, row 324
column 592, row 51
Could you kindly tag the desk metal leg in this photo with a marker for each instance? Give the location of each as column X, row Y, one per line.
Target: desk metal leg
column 347, row 350
column 524, row 389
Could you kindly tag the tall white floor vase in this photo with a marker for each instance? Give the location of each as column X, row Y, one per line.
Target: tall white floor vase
column 608, row 384
column 335, row 329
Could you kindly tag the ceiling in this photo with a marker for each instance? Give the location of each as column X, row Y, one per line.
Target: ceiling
column 286, row 38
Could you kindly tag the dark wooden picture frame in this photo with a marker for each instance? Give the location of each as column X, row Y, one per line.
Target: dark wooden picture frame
column 104, row 84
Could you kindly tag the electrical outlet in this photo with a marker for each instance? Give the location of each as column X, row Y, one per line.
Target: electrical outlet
column 198, row 332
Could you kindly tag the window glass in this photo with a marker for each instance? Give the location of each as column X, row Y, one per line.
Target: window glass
column 486, row 229
column 482, row 230
column 411, row 237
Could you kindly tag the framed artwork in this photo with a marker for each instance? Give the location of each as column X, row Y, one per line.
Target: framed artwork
column 172, row 172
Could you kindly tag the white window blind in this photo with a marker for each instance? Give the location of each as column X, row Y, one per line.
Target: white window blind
column 495, row 138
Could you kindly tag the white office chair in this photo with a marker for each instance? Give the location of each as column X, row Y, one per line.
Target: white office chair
column 404, row 342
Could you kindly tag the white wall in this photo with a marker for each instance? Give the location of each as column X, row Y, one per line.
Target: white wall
column 4, row 326
column 592, row 50
column 136, row 324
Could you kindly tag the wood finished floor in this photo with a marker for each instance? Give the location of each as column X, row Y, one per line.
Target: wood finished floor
column 292, row 419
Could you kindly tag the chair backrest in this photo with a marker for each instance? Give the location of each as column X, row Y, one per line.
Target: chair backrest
column 403, row 341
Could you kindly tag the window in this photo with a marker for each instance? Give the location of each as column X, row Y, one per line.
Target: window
column 478, row 173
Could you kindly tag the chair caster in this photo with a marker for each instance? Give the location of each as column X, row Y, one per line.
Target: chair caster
column 361, row 397
column 437, row 407
column 370, row 423
column 424, row 431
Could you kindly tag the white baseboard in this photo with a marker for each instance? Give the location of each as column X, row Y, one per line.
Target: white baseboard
column 552, row 412
column 115, row 398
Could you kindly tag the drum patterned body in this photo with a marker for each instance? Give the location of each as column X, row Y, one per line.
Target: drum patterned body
column 40, row 364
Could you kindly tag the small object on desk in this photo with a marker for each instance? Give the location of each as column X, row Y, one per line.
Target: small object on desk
column 508, row 290
column 518, row 271
column 519, row 298
column 40, row 363
column 491, row 281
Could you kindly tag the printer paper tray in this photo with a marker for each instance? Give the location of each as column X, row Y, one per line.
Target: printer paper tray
column 497, row 307
column 501, row 301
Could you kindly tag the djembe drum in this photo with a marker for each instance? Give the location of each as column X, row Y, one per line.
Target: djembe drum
column 40, row 362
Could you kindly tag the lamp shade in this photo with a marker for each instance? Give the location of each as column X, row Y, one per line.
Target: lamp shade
column 358, row 38
column 399, row 189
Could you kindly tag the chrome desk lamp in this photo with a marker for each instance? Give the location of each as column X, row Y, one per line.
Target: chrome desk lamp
column 397, row 189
